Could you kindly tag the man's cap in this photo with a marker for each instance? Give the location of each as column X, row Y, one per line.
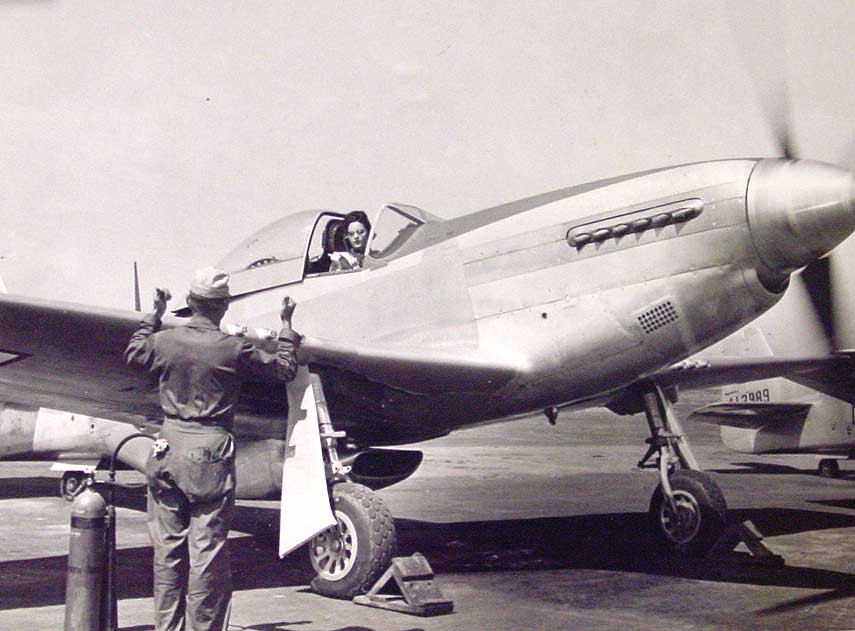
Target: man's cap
column 210, row 282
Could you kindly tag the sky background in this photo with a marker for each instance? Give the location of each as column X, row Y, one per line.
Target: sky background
column 167, row 132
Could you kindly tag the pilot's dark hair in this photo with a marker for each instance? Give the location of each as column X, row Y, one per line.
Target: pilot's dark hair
column 355, row 215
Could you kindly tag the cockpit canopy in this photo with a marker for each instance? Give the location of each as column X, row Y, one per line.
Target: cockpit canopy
column 282, row 240
column 287, row 250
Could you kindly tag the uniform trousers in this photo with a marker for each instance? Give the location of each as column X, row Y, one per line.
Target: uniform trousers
column 190, row 506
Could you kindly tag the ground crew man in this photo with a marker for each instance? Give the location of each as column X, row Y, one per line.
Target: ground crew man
column 190, row 471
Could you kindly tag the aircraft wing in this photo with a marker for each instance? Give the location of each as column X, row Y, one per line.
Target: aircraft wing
column 70, row 357
column 832, row 374
column 836, row 379
column 413, row 370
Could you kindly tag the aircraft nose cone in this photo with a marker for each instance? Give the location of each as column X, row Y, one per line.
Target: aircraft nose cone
column 798, row 211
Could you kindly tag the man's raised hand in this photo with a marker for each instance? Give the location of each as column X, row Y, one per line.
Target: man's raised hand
column 161, row 297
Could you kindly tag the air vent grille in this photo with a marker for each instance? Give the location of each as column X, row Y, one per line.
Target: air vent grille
column 657, row 317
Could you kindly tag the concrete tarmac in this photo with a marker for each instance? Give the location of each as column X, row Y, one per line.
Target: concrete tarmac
column 526, row 526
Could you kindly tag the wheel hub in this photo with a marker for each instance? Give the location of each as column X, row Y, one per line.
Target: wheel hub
column 334, row 550
column 682, row 523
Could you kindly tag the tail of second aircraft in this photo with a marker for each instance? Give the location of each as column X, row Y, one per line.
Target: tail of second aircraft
column 778, row 415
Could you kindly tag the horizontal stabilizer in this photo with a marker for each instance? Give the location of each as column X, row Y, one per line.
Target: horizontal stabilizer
column 751, row 415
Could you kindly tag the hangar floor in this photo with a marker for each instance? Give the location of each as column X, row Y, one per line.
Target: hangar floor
column 527, row 526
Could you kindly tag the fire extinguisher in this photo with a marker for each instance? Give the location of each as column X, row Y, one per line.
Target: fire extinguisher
column 90, row 595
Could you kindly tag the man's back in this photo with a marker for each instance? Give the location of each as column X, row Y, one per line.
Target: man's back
column 199, row 371
column 200, row 368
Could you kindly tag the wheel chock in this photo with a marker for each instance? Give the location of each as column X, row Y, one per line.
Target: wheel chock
column 416, row 592
column 747, row 533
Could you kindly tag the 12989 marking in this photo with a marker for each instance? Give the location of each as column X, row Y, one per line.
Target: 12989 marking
column 756, row 396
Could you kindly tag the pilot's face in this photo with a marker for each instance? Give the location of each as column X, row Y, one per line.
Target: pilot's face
column 357, row 236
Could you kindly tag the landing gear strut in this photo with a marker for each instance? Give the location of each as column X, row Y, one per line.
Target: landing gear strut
column 349, row 557
column 687, row 511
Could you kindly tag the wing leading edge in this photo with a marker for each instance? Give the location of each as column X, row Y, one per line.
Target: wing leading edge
column 69, row 356
column 831, row 374
column 411, row 370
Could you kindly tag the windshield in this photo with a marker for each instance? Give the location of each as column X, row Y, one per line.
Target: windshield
column 394, row 227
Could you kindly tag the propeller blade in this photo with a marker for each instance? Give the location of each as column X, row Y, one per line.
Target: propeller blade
column 784, row 137
column 817, row 278
column 760, row 36
column 843, row 298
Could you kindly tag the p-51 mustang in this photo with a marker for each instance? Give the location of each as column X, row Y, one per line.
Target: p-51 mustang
column 585, row 296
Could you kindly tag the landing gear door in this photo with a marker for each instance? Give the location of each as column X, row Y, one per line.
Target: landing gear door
column 305, row 508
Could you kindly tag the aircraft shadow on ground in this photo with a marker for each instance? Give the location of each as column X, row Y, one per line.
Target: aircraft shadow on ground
column 612, row 542
column 21, row 488
column 619, row 541
column 850, row 504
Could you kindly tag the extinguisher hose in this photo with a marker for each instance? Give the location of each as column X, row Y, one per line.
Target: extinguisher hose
column 109, row 620
column 119, row 448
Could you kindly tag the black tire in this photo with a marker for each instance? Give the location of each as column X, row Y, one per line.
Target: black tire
column 350, row 564
column 828, row 468
column 71, row 485
column 701, row 517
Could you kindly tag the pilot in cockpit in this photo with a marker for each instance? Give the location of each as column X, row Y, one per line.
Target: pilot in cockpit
column 355, row 228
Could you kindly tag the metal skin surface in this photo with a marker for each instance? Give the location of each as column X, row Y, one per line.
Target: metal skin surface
column 487, row 316
column 508, row 292
column 811, row 411
column 804, row 199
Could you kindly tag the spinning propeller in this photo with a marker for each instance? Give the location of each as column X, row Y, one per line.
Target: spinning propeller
column 831, row 296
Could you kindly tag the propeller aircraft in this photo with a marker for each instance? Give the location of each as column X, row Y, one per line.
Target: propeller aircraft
column 592, row 295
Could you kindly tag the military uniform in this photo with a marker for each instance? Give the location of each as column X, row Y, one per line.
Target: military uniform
column 191, row 476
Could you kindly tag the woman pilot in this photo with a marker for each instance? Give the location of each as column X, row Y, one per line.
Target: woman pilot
column 356, row 228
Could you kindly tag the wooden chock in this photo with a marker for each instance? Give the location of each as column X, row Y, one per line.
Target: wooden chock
column 416, row 593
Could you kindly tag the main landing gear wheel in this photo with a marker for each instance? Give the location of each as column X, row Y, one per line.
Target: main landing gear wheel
column 828, row 468
column 350, row 557
column 71, row 485
column 699, row 519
